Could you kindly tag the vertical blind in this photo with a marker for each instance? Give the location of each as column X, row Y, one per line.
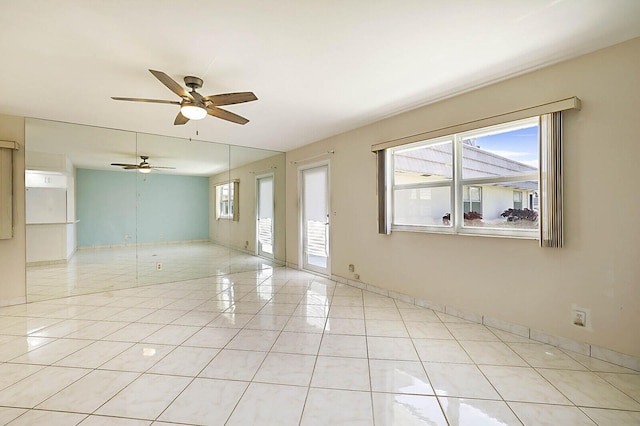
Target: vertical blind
column 551, row 232
column 236, row 200
column 6, row 189
column 384, row 222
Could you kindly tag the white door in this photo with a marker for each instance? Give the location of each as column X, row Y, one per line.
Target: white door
column 314, row 191
column 264, row 230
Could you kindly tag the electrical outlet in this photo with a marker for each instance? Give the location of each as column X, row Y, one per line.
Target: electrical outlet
column 158, row 266
column 352, row 268
column 356, row 276
column 579, row 318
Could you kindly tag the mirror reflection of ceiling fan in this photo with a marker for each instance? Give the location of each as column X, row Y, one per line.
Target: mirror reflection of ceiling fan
column 143, row 167
column 194, row 106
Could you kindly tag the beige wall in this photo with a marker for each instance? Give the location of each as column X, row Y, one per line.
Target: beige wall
column 12, row 252
column 237, row 233
column 598, row 269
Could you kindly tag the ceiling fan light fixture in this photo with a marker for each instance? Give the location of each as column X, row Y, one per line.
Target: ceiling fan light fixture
column 193, row 112
column 145, row 170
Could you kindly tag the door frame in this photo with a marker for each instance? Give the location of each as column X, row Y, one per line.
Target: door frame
column 301, row 258
column 273, row 219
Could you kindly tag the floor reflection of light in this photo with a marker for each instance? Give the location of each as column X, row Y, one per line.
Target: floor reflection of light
column 34, row 342
column 148, row 351
column 407, row 409
column 265, row 292
column 414, row 384
column 460, row 411
column 315, row 322
column 265, row 271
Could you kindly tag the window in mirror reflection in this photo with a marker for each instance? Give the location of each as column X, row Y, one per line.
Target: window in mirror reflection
column 227, row 200
column 224, row 195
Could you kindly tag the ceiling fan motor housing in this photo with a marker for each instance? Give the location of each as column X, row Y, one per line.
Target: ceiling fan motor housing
column 193, row 82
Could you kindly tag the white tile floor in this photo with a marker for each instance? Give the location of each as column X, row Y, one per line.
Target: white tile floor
column 280, row 347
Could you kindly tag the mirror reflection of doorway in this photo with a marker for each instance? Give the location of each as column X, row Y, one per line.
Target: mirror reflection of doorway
column 314, row 212
column 265, row 217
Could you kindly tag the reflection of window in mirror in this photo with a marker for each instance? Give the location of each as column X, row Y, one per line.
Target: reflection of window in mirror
column 227, row 201
column 224, row 195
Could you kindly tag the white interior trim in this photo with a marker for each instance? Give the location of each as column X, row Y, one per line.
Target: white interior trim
column 8, row 145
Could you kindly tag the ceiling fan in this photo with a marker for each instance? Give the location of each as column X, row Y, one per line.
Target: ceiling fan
column 143, row 167
column 194, row 106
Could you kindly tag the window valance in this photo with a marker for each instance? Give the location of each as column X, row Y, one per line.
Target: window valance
column 547, row 108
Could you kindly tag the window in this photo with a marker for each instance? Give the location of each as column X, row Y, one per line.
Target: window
column 224, row 195
column 477, row 182
column 517, row 200
column 422, row 181
column 226, row 201
column 472, row 199
column 478, row 145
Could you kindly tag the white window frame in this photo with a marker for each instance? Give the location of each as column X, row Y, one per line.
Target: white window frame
column 470, row 200
column 456, row 224
column 521, row 200
column 232, row 205
column 220, row 189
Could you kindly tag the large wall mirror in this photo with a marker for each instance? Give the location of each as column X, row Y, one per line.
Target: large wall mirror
column 172, row 209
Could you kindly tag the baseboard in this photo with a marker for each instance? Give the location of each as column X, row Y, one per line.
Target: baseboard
column 14, row 301
column 582, row 348
column 47, row 262
column 157, row 243
column 276, row 262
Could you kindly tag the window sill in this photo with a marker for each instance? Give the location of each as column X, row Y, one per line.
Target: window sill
column 466, row 232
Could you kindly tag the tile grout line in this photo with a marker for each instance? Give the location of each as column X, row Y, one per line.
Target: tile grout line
column 366, row 339
column 435, row 395
column 158, row 361
column 267, row 353
column 315, row 363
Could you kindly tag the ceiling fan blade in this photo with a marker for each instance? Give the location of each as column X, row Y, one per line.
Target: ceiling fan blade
column 230, row 98
column 171, row 84
column 160, row 167
column 131, row 167
column 124, row 165
column 155, row 101
column 226, row 115
column 180, row 119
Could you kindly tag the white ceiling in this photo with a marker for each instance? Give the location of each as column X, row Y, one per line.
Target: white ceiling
column 319, row 68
